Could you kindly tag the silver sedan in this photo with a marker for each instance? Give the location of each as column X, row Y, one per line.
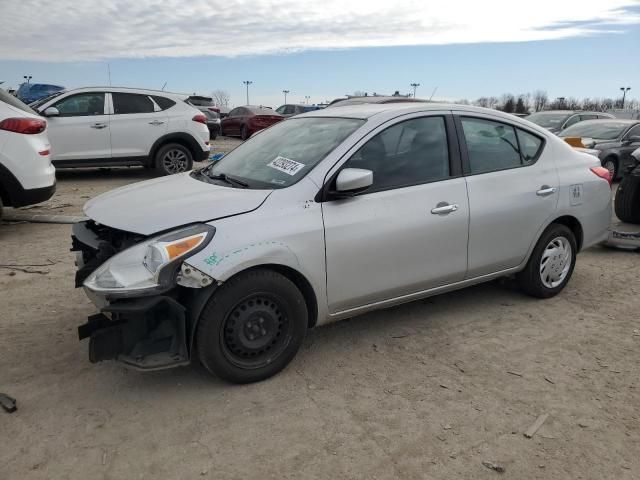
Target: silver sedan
column 325, row 216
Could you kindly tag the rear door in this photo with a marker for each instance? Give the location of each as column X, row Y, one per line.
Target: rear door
column 136, row 123
column 513, row 190
column 82, row 130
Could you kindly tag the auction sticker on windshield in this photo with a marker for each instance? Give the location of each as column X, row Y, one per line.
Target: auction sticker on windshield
column 286, row 165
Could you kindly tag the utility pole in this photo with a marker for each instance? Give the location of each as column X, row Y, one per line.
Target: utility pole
column 307, row 97
column 27, row 78
column 415, row 86
column 285, row 95
column 109, row 72
column 247, row 83
column 624, row 94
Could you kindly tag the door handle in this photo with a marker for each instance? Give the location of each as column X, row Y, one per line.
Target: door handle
column 545, row 191
column 99, row 125
column 156, row 122
column 444, row 208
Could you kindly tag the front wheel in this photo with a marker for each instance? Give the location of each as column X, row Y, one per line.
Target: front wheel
column 551, row 264
column 252, row 327
column 612, row 166
column 244, row 132
column 173, row 158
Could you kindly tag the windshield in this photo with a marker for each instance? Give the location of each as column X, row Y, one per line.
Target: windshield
column 547, row 119
column 603, row 130
column 283, row 154
column 44, row 100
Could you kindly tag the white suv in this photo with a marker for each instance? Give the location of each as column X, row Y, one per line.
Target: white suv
column 107, row 126
column 26, row 173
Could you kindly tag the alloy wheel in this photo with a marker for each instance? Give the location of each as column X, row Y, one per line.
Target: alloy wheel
column 175, row 161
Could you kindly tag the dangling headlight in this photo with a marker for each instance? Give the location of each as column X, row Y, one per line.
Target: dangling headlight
column 150, row 266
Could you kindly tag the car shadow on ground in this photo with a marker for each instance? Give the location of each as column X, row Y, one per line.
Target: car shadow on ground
column 102, row 172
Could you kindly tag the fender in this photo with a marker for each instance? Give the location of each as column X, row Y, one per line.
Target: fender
column 181, row 137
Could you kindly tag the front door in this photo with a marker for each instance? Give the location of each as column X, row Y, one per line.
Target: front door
column 81, row 131
column 513, row 190
column 136, row 123
column 408, row 231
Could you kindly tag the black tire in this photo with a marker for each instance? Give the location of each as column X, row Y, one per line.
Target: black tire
column 244, row 132
column 263, row 303
column 611, row 164
column 530, row 280
column 173, row 158
column 627, row 202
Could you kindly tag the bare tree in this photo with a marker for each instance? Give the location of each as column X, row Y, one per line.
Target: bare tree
column 540, row 100
column 221, row 97
column 482, row 102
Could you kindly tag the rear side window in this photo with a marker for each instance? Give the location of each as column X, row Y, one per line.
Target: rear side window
column 494, row 146
column 408, row 153
column 128, row 103
column 163, row 102
column 82, row 104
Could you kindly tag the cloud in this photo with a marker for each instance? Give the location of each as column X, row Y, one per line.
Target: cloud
column 87, row 30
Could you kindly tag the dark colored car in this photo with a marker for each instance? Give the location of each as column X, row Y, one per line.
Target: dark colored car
column 290, row 109
column 558, row 120
column 245, row 121
column 31, row 92
column 627, row 203
column 614, row 139
column 210, row 110
column 340, row 102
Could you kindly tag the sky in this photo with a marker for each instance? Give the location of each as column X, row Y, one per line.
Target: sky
column 325, row 49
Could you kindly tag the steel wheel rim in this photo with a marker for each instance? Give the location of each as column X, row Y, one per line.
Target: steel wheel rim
column 609, row 165
column 175, row 161
column 255, row 331
column 555, row 262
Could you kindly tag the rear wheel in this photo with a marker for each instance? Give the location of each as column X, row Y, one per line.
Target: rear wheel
column 627, row 202
column 551, row 264
column 611, row 164
column 244, row 132
column 173, row 158
column 252, row 327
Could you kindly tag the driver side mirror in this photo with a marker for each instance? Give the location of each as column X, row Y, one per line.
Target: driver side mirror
column 351, row 181
column 51, row 112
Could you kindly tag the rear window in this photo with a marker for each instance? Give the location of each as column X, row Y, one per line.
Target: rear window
column 128, row 103
column 14, row 102
column 201, row 101
column 163, row 102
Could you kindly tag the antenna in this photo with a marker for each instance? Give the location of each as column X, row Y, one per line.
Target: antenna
column 434, row 92
column 165, row 84
column 109, row 72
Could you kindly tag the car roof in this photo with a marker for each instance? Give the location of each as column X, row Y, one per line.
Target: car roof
column 367, row 110
column 144, row 91
column 374, row 99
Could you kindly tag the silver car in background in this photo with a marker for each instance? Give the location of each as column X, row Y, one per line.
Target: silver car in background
column 326, row 216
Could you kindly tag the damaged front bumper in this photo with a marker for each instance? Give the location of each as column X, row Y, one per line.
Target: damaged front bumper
column 145, row 330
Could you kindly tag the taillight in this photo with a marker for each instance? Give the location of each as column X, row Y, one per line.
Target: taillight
column 44, row 153
column 200, row 119
column 602, row 173
column 28, row 126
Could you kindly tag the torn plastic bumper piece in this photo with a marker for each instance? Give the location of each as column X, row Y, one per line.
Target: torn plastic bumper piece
column 144, row 333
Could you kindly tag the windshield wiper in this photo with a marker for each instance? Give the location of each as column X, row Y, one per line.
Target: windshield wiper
column 229, row 179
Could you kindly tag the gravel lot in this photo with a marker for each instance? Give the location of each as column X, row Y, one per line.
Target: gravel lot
column 431, row 389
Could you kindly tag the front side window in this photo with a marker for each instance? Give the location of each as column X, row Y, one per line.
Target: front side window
column 129, row 103
column 284, row 153
column 572, row 121
column 634, row 132
column 408, row 153
column 82, row 104
column 281, row 109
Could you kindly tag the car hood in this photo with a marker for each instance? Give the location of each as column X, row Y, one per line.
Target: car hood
column 169, row 202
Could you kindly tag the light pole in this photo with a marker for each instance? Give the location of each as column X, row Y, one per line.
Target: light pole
column 27, row 78
column 247, row 83
column 285, row 95
column 415, row 86
column 307, row 97
column 624, row 94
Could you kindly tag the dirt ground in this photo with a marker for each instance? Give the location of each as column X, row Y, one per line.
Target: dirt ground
column 428, row 390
